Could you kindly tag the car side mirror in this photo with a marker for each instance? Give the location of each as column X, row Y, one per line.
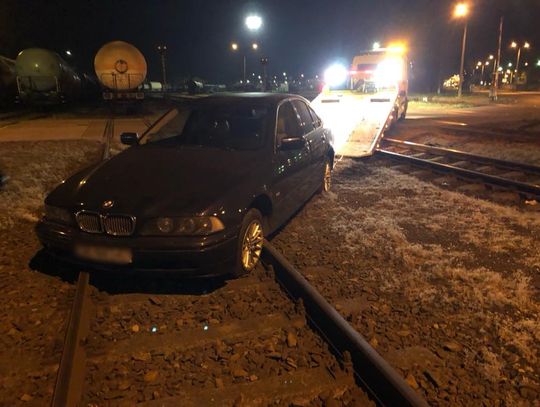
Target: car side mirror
column 296, row 143
column 129, row 139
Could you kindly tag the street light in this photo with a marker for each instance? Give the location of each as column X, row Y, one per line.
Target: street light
column 253, row 22
column 235, row 47
column 461, row 10
column 162, row 50
column 526, row 45
column 376, row 46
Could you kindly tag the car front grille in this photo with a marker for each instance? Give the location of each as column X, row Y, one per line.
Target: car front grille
column 89, row 222
column 116, row 225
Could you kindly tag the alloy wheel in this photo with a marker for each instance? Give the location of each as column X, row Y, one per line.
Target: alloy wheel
column 252, row 244
column 327, row 183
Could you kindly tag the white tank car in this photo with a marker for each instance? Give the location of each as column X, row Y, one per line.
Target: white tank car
column 121, row 69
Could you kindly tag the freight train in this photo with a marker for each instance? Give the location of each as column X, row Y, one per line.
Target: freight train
column 44, row 78
column 121, row 70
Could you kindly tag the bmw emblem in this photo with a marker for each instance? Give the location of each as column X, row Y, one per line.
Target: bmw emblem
column 107, row 204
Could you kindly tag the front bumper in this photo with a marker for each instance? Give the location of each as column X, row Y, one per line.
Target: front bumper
column 199, row 256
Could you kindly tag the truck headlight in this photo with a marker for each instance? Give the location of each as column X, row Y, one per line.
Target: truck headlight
column 58, row 215
column 192, row 226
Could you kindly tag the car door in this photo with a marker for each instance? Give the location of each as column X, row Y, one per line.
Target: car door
column 289, row 166
column 315, row 138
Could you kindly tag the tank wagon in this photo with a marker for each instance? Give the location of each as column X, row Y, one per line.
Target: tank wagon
column 7, row 80
column 121, row 70
column 43, row 77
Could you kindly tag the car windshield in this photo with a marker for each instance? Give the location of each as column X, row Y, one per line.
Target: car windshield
column 237, row 127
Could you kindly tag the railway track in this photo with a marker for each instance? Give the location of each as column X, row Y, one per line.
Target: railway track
column 267, row 339
column 521, row 178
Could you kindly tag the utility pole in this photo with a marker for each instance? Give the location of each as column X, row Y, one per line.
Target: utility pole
column 498, row 62
column 162, row 50
column 463, row 45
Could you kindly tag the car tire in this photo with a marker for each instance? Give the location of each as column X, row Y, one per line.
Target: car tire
column 250, row 243
column 327, row 177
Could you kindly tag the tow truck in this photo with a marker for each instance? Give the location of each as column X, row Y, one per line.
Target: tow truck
column 360, row 103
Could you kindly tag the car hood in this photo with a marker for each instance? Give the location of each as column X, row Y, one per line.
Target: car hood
column 160, row 180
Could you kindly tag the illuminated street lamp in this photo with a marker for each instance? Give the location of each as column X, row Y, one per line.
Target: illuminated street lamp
column 514, row 44
column 253, row 22
column 162, row 51
column 235, row 47
column 483, row 67
column 376, row 46
column 461, row 10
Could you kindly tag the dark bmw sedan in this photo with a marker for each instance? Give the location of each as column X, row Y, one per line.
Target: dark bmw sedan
column 197, row 192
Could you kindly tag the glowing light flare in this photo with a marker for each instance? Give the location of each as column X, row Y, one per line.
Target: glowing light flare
column 253, row 22
column 234, row 46
column 514, row 44
column 389, row 72
column 397, row 48
column 376, row 46
column 461, row 10
column 255, row 46
column 335, row 75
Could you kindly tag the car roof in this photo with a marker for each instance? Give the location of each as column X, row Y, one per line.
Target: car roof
column 259, row 97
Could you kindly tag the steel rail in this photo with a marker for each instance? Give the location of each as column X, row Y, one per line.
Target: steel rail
column 386, row 386
column 466, row 156
column 518, row 186
column 383, row 383
column 70, row 378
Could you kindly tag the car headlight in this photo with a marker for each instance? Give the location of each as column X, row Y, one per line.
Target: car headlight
column 58, row 215
column 193, row 226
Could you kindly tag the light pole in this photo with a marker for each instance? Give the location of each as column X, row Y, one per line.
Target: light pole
column 162, row 50
column 234, row 48
column 514, row 44
column 497, row 65
column 461, row 10
column 483, row 67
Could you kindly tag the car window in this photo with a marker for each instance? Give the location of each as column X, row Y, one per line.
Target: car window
column 317, row 122
column 287, row 123
column 239, row 127
column 306, row 121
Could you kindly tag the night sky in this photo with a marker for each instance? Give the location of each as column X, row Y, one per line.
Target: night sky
column 298, row 36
